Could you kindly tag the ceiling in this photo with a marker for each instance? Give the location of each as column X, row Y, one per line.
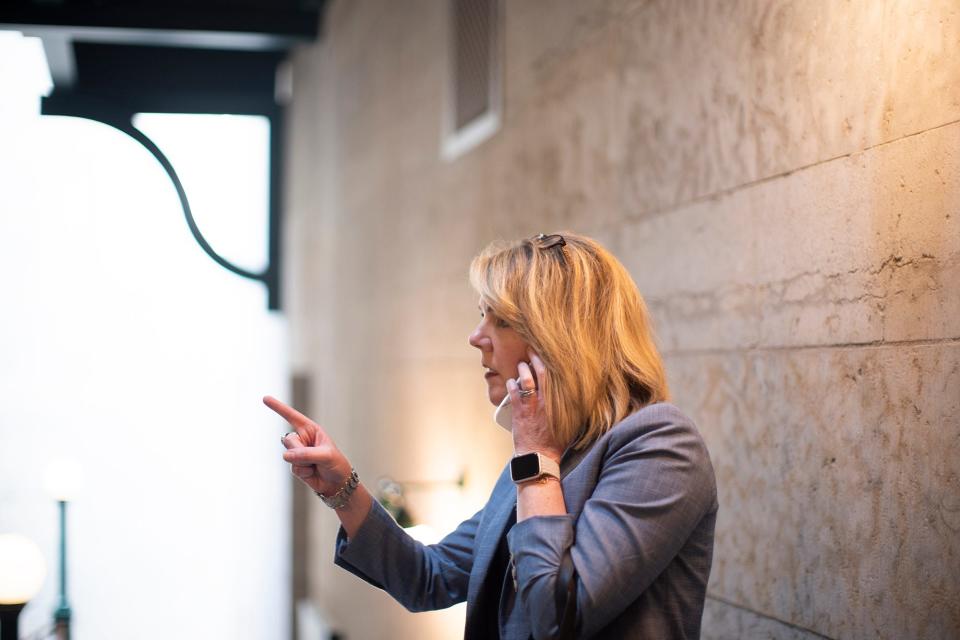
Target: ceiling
column 177, row 55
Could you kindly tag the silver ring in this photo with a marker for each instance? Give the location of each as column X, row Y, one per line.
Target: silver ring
column 526, row 393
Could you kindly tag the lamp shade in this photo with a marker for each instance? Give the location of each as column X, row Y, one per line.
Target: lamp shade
column 63, row 479
column 22, row 569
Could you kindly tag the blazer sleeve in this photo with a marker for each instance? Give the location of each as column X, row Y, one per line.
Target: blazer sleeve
column 652, row 491
column 420, row 577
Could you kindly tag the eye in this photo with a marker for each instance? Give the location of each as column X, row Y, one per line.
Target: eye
column 497, row 322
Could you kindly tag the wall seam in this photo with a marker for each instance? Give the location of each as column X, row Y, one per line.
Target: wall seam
column 729, row 191
column 768, row 617
column 878, row 344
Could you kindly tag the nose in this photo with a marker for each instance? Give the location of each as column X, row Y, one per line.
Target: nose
column 478, row 339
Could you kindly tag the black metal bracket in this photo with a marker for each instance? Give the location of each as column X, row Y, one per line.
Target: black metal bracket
column 270, row 275
column 112, row 60
column 115, row 82
column 143, row 139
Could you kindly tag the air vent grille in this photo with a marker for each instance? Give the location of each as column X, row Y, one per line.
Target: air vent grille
column 474, row 93
column 474, row 21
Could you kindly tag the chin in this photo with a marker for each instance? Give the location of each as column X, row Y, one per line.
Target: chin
column 496, row 395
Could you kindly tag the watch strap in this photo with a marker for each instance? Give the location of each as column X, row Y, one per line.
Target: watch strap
column 548, row 466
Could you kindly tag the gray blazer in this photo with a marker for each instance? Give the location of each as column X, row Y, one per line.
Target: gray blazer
column 641, row 507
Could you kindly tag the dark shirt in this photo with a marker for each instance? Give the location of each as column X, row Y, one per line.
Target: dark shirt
column 498, row 579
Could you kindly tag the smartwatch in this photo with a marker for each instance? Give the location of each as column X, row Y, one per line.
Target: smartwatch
column 531, row 466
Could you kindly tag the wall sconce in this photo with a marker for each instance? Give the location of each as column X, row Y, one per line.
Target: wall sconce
column 392, row 495
column 22, row 570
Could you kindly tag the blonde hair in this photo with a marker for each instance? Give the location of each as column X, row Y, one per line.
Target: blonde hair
column 577, row 306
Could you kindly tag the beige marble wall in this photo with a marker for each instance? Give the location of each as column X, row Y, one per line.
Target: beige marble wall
column 782, row 180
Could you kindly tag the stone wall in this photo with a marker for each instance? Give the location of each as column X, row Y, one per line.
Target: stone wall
column 782, row 180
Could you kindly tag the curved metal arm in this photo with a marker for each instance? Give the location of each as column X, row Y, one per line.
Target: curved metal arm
column 142, row 138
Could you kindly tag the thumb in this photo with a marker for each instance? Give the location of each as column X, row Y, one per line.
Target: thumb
column 320, row 456
column 292, row 440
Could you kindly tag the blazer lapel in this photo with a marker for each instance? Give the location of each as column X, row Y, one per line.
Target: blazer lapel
column 501, row 505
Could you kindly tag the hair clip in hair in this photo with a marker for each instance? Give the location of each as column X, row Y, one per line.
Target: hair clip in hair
column 551, row 241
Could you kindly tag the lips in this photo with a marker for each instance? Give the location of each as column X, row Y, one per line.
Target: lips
column 490, row 372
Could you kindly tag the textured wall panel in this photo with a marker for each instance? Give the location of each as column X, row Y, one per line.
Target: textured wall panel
column 563, row 30
column 920, row 49
column 719, row 94
column 686, row 102
column 839, row 480
column 856, row 250
column 559, row 158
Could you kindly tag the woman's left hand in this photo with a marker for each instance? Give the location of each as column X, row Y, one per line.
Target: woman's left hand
column 530, row 429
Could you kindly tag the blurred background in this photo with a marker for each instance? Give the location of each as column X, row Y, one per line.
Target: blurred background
column 781, row 178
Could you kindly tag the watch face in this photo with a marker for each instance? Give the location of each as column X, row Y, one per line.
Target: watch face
column 525, row 466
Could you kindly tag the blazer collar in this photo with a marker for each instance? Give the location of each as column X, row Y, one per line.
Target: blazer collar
column 571, row 458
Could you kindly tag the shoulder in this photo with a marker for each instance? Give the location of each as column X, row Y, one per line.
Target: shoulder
column 661, row 422
column 660, row 437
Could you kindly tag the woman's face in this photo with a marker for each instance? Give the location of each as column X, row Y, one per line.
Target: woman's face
column 501, row 350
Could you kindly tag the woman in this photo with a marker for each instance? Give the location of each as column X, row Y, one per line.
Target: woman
column 602, row 523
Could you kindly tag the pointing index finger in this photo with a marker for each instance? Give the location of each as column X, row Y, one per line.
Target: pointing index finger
column 285, row 411
column 305, row 426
